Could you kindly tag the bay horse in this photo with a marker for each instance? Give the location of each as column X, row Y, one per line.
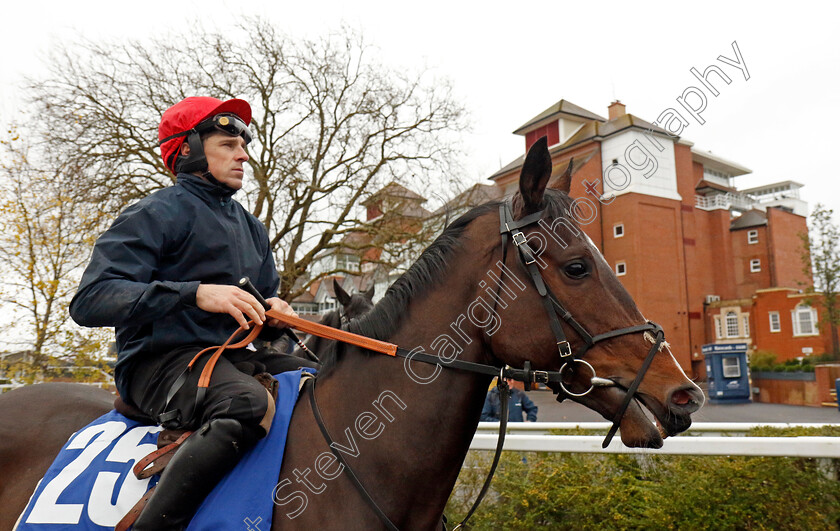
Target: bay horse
column 404, row 427
column 35, row 422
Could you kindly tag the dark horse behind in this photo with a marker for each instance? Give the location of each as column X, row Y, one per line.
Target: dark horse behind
column 405, row 427
column 349, row 308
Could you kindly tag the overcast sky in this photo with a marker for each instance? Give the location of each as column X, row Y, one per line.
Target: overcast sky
column 510, row 63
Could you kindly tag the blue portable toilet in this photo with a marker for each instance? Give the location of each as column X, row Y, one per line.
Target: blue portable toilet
column 837, row 392
column 727, row 372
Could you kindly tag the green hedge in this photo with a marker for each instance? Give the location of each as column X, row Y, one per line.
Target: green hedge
column 607, row 491
column 763, row 361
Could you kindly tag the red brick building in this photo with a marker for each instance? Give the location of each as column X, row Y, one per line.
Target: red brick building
column 786, row 322
column 695, row 252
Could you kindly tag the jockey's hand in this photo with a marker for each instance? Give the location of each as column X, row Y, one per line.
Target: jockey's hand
column 237, row 303
column 279, row 305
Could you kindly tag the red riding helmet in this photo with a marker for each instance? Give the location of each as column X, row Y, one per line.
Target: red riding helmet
column 187, row 119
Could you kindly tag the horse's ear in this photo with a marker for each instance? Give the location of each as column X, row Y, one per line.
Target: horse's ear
column 564, row 183
column 369, row 293
column 535, row 174
column 340, row 294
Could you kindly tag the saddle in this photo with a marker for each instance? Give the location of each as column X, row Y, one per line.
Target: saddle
column 168, row 443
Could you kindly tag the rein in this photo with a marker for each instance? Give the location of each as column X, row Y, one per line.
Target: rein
column 504, row 394
column 510, row 229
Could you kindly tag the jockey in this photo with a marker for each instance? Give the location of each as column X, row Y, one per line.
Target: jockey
column 164, row 276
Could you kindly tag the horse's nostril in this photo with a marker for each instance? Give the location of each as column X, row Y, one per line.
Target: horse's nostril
column 686, row 400
column 681, row 398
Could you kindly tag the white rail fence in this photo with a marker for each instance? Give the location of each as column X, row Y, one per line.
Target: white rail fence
column 701, row 439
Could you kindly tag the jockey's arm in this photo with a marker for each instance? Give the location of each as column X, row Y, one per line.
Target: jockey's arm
column 118, row 286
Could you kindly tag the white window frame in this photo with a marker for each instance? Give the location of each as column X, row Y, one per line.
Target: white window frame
column 618, row 230
column 752, row 237
column 346, row 261
column 775, row 324
column 730, row 325
column 719, row 327
column 745, row 325
column 755, row 265
column 731, row 370
column 800, row 311
column 620, row 269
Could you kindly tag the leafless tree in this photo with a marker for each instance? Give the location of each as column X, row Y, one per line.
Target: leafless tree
column 48, row 231
column 332, row 125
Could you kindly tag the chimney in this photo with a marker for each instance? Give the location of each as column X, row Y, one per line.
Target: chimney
column 616, row 109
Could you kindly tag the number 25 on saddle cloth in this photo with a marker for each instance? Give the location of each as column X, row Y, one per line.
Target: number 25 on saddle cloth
column 90, row 485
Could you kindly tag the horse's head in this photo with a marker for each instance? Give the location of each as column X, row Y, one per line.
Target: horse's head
column 354, row 305
column 578, row 276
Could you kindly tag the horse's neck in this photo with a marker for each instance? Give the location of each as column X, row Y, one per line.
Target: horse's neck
column 423, row 424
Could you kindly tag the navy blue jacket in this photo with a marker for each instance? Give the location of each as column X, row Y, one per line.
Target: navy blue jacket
column 517, row 404
column 145, row 269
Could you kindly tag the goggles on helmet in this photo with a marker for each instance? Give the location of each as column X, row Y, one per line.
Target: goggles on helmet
column 226, row 123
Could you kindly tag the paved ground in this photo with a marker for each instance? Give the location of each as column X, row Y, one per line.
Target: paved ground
column 568, row 411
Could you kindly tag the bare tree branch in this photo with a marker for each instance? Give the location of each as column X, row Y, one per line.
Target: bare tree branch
column 331, row 123
column 49, row 229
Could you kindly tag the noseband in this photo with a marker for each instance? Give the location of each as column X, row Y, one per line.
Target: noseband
column 511, row 229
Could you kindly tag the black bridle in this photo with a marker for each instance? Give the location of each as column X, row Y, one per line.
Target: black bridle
column 510, row 229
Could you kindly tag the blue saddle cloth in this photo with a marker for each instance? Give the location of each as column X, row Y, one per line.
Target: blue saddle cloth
column 90, row 485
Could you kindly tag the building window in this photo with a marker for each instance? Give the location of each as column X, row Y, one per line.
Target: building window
column 775, row 322
column 731, row 367
column 804, row 321
column 620, row 269
column 347, row 262
column 618, row 230
column 731, row 324
column 755, row 265
column 745, row 324
column 719, row 327
column 752, row 236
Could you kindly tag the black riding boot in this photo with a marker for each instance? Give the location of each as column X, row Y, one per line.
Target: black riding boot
column 200, row 463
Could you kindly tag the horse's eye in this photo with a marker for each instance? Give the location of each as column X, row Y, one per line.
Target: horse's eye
column 577, row 269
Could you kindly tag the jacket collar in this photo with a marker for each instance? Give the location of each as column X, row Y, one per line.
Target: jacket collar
column 204, row 189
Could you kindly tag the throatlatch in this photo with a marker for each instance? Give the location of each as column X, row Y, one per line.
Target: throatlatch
column 555, row 308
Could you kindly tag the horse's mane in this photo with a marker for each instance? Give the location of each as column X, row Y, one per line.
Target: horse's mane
column 386, row 317
column 332, row 318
